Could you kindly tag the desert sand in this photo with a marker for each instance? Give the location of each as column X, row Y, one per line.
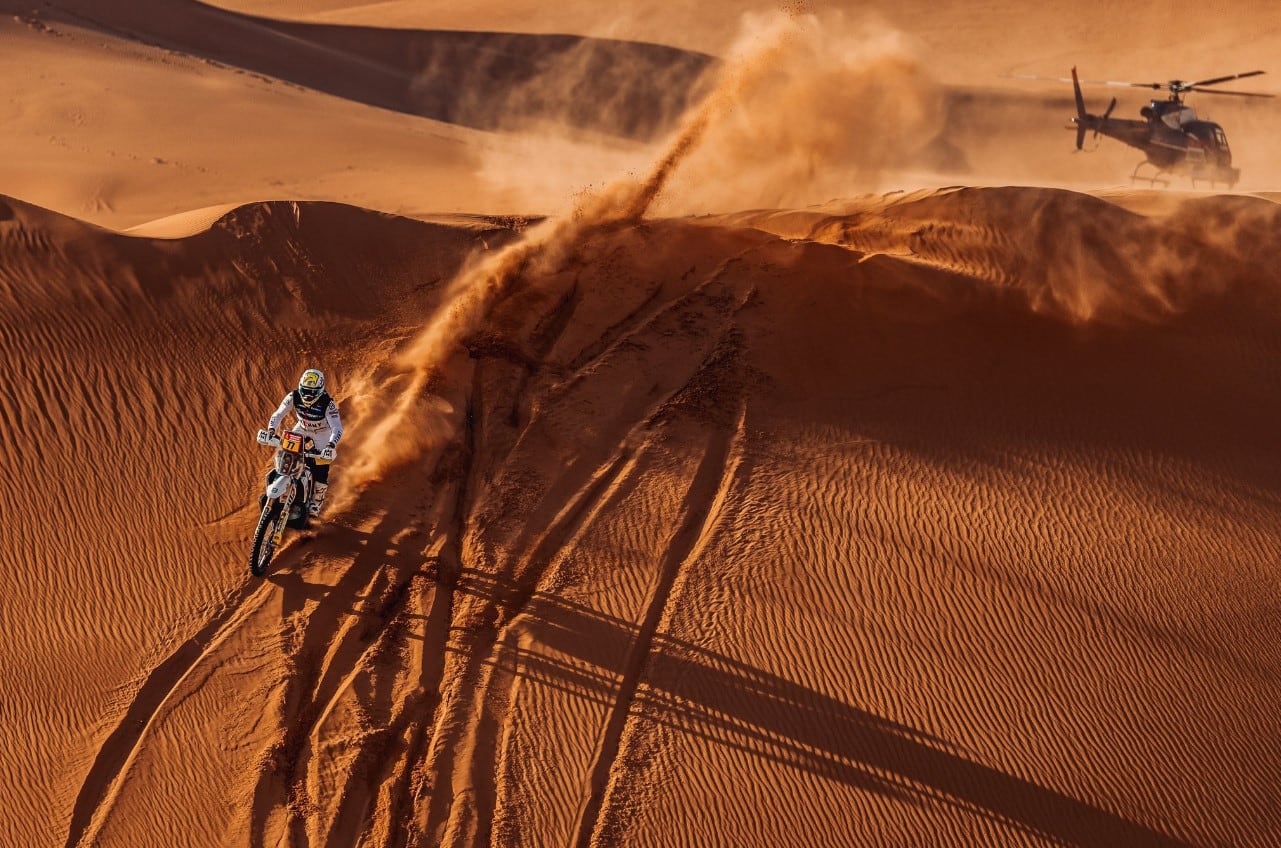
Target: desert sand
column 762, row 428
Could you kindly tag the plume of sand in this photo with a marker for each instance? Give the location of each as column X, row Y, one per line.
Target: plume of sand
column 842, row 102
column 791, row 66
column 1072, row 256
column 808, row 107
column 417, row 421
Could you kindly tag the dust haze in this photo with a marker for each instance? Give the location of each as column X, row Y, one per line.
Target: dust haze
column 789, row 64
column 841, row 103
column 828, row 105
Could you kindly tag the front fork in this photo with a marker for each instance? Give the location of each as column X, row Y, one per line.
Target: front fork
column 284, row 489
column 285, row 502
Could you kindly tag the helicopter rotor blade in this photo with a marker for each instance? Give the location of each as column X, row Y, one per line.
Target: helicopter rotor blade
column 1233, row 93
column 1177, row 88
column 1217, row 80
column 1156, row 85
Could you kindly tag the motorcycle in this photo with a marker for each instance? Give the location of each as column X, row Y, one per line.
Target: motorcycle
column 289, row 490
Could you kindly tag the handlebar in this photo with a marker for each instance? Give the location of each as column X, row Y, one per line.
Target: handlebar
column 274, row 442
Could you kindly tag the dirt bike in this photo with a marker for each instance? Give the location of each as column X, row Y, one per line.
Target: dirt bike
column 289, row 490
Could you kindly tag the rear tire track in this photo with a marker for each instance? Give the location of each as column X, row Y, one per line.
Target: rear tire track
column 700, row 516
column 328, row 645
column 476, row 674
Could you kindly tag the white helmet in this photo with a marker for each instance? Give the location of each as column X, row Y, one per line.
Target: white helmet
column 310, row 386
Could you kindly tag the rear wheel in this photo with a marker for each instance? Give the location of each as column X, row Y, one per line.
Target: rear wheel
column 264, row 546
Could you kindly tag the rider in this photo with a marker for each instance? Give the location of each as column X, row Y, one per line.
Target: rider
column 317, row 417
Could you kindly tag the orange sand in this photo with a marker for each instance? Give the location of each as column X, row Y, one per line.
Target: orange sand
column 737, row 501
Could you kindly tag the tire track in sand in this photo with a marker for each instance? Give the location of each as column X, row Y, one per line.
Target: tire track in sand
column 703, row 503
column 334, row 646
column 103, row 782
column 462, row 758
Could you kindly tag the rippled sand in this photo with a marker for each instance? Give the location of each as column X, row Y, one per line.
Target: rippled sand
column 940, row 517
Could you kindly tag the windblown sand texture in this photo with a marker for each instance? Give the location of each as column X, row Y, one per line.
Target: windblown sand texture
column 712, row 478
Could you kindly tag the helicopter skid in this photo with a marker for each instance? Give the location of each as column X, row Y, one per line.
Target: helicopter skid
column 1156, row 177
column 1213, row 174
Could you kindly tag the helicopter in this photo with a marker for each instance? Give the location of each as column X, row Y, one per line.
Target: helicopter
column 1173, row 139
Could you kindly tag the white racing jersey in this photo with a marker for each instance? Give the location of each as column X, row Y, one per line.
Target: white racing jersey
column 320, row 421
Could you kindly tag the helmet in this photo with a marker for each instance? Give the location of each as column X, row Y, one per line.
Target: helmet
column 310, row 386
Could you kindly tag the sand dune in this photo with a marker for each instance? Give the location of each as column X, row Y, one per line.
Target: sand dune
column 483, row 79
column 819, row 538
column 919, row 516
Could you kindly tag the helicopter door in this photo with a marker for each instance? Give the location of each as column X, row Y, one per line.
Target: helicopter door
column 1221, row 142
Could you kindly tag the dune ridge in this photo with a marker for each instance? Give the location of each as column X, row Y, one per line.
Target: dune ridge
column 485, row 80
column 1084, row 258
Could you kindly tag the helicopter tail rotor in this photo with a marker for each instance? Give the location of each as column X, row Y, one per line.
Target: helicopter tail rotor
column 1082, row 119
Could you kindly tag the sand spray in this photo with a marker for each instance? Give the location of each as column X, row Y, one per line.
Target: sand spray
column 771, row 62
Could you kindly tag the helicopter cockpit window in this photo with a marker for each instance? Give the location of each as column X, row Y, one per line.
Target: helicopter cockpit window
column 1175, row 118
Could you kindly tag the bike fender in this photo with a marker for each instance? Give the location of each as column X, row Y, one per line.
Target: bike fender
column 277, row 488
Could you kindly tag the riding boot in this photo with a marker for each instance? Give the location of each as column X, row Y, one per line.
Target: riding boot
column 317, row 498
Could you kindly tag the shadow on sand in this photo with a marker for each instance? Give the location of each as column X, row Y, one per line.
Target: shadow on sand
column 484, row 80
column 694, row 691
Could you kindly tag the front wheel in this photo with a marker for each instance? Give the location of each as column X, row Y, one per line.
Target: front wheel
column 264, row 545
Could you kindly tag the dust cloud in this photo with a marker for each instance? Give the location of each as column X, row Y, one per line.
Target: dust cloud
column 801, row 107
column 840, row 103
column 805, row 108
